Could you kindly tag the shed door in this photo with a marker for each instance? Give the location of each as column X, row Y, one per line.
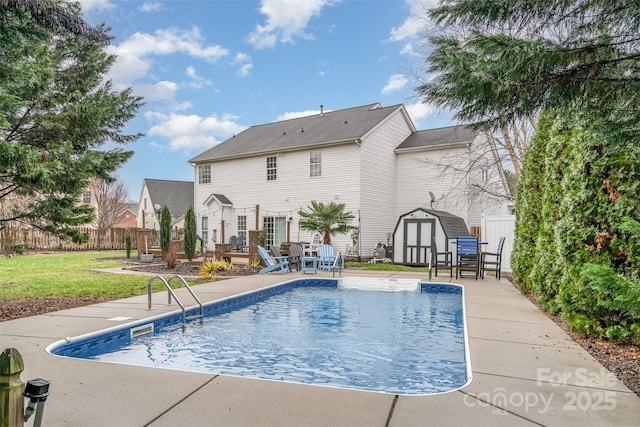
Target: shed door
column 417, row 240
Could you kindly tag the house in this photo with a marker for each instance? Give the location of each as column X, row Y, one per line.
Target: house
column 371, row 158
column 128, row 218
column 155, row 193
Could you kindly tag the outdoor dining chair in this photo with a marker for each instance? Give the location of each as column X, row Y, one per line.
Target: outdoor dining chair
column 492, row 261
column 468, row 256
column 442, row 260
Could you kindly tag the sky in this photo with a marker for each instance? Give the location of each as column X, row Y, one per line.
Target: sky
column 209, row 69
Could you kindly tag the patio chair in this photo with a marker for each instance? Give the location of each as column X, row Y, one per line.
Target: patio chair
column 233, row 241
column 468, row 256
column 492, row 261
column 327, row 260
column 442, row 260
column 242, row 244
column 296, row 252
column 273, row 263
column 312, row 249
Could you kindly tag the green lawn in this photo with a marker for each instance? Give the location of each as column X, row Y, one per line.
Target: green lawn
column 67, row 274
column 71, row 274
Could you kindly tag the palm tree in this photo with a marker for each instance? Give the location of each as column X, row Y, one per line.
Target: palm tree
column 327, row 219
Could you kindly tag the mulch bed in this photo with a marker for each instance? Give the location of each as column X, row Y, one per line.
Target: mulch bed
column 622, row 359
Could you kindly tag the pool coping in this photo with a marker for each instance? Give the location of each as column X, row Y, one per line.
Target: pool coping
column 526, row 371
column 121, row 336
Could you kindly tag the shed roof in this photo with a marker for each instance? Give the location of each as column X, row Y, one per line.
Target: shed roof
column 446, row 136
column 452, row 225
column 326, row 128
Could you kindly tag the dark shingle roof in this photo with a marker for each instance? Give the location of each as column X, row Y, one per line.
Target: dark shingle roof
column 452, row 225
column 439, row 137
column 320, row 129
column 177, row 195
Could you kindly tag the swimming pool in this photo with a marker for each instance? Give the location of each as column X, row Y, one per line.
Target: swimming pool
column 309, row 331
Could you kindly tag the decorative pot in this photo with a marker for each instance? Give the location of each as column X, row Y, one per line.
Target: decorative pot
column 146, row 257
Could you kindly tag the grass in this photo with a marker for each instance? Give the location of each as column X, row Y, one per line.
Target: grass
column 68, row 274
column 386, row 267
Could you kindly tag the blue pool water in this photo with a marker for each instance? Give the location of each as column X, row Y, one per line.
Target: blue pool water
column 311, row 332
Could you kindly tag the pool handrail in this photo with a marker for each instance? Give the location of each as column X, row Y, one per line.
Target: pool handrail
column 171, row 293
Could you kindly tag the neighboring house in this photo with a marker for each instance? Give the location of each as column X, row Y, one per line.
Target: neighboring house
column 128, row 218
column 156, row 193
column 371, row 158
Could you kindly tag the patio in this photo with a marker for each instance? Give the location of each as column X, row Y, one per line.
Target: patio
column 526, row 371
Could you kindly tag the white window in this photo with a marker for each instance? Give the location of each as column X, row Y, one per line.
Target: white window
column 204, row 174
column 242, row 227
column 271, row 168
column 205, row 229
column 276, row 230
column 315, row 163
column 86, row 197
column 484, row 170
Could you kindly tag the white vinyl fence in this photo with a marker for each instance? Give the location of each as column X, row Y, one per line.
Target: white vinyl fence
column 494, row 227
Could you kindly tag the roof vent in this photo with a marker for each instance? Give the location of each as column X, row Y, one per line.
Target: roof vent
column 321, row 110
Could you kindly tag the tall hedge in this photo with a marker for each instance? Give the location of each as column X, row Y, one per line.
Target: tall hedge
column 577, row 248
column 529, row 206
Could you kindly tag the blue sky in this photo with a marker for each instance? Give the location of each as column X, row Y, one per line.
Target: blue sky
column 209, row 69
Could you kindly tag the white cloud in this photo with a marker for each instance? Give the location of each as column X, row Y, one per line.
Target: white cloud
column 416, row 21
column 162, row 90
column 197, row 81
column 295, row 114
column 396, row 82
column 243, row 61
column 149, row 6
column 419, row 111
column 187, row 132
column 91, row 5
column 134, row 54
column 285, row 19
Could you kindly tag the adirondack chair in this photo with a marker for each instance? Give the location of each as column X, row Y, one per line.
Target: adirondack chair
column 296, row 252
column 273, row 263
column 468, row 256
column 327, row 259
column 312, row 249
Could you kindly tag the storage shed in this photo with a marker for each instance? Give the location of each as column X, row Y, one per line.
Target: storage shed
column 414, row 230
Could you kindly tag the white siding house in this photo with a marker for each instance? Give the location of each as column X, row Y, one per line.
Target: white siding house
column 366, row 157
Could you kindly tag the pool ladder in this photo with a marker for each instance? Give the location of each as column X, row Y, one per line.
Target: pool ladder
column 171, row 293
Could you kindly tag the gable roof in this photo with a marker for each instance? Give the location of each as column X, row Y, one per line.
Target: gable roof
column 437, row 138
column 452, row 225
column 327, row 128
column 177, row 195
column 220, row 198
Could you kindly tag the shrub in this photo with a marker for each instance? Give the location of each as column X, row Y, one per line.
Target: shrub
column 190, row 233
column 208, row 269
column 165, row 230
column 127, row 242
column 171, row 259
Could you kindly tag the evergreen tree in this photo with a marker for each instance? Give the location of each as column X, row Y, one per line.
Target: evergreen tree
column 56, row 115
column 190, row 233
column 165, row 230
column 505, row 60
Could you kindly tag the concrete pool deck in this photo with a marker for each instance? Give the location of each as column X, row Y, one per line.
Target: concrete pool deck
column 526, row 371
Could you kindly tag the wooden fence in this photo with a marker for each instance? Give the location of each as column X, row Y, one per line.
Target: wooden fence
column 33, row 239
